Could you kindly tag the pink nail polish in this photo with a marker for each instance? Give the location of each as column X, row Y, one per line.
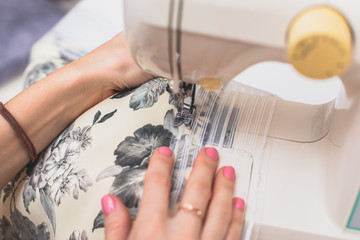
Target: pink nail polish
column 165, row 150
column 229, row 172
column 212, row 152
column 239, row 204
column 108, row 204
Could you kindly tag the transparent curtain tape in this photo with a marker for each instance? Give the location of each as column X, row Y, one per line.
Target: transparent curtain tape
column 235, row 120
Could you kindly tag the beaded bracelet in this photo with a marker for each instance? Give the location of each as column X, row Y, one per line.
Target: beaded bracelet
column 25, row 140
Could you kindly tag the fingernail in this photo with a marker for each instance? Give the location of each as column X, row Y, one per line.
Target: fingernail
column 165, row 150
column 229, row 172
column 212, row 152
column 239, row 204
column 108, row 204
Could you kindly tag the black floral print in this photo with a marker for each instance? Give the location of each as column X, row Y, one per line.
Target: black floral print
column 76, row 235
column 136, row 150
column 148, row 94
column 39, row 72
column 20, row 227
column 132, row 158
column 56, row 175
column 57, row 172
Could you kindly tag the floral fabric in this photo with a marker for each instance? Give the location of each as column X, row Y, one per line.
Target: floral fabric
column 106, row 150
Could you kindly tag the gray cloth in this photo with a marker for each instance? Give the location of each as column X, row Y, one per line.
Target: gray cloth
column 22, row 23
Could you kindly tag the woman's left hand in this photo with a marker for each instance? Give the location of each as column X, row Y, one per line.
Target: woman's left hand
column 112, row 67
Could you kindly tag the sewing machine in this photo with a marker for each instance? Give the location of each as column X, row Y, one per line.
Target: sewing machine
column 309, row 184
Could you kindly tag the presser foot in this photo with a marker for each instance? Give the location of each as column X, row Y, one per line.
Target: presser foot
column 186, row 108
column 185, row 117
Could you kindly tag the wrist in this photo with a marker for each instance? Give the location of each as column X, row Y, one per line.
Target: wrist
column 89, row 81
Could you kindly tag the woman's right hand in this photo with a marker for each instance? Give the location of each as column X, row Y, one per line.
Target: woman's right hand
column 207, row 209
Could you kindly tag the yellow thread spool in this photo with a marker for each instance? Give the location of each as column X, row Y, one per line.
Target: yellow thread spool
column 320, row 43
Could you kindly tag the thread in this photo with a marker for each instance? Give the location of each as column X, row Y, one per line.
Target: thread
column 236, row 120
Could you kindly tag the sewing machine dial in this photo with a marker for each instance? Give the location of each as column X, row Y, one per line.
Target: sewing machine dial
column 319, row 43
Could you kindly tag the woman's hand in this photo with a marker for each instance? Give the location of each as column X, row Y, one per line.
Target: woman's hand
column 206, row 211
column 112, row 67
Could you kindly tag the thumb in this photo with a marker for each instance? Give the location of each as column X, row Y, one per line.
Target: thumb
column 116, row 217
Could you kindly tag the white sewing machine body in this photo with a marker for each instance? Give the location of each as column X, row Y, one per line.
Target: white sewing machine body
column 310, row 176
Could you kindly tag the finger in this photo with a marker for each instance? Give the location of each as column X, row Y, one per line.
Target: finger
column 198, row 189
column 235, row 228
column 116, row 218
column 221, row 208
column 157, row 183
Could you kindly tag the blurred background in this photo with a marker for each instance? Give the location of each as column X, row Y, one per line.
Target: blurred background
column 22, row 23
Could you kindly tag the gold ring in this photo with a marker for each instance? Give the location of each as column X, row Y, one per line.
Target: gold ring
column 187, row 207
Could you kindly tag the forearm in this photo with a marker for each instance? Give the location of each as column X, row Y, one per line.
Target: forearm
column 43, row 111
column 49, row 106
